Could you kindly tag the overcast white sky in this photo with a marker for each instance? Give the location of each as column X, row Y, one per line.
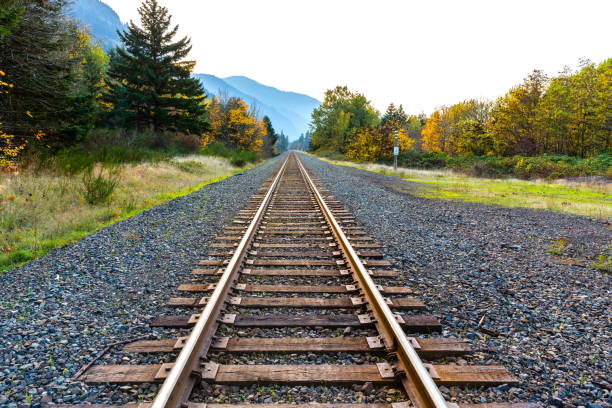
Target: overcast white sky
column 421, row 54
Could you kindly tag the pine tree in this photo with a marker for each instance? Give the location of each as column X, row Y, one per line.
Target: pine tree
column 270, row 138
column 150, row 83
column 39, row 54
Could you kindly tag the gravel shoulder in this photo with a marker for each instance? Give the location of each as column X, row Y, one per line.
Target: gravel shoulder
column 486, row 272
column 59, row 311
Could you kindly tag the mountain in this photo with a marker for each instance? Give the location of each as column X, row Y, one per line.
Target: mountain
column 99, row 19
column 288, row 111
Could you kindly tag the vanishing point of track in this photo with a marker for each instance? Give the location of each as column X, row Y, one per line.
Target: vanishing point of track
column 293, row 229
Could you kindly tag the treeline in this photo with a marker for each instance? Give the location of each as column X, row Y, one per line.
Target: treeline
column 569, row 114
column 541, row 128
column 565, row 115
column 347, row 122
column 58, row 89
column 302, row 143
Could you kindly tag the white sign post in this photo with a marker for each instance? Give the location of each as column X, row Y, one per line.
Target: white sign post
column 395, row 150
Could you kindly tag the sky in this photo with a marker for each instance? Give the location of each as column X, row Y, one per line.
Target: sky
column 418, row 53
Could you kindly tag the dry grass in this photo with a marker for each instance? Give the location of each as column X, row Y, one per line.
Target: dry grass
column 43, row 211
column 592, row 199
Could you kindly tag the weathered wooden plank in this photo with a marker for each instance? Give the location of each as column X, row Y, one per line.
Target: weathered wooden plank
column 416, row 323
column 289, row 254
column 196, row 287
column 370, row 254
column 294, row 345
column 171, row 321
column 328, row 373
column 296, row 288
column 293, row 272
column 370, row 245
column 308, row 272
column 341, row 302
column 150, row 346
column 287, row 245
column 294, row 223
column 395, row 290
column 299, row 374
column 412, row 323
column 344, row 302
column 322, row 227
column 121, row 374
column 294, row 262
column 296, row 238
column 222, row 245
column 228, row 238
column 376, row 262
column 213, row 262
column 457, row 375
column 211, row 271
column 183, row 302
column 295, row 232
column 426, row 348
column 435, row 348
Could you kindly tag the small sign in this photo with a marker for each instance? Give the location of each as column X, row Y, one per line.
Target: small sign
column 396, row 150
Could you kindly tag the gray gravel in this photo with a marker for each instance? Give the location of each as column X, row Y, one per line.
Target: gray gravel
column 546, row 318
column 59, row 311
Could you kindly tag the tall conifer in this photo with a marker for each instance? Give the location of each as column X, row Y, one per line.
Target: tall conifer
column 150, row 83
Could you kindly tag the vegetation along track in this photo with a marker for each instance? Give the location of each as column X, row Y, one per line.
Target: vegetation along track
column 294, row 231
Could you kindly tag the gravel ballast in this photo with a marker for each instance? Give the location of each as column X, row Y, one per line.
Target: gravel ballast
column 486, row 272
column 59, row 311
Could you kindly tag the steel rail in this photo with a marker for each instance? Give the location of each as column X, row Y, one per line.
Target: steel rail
column 174, row 392
column 418, row 383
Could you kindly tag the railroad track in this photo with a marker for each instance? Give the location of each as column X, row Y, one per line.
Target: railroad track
column 294, row 259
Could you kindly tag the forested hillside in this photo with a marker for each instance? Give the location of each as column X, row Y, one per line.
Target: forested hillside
column 544, row 127
column 100, row 20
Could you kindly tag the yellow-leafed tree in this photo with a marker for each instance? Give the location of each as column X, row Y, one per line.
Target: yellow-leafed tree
column 233, row 123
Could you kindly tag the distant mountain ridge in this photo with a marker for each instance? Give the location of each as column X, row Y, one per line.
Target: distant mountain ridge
column 289, row 111
column 100, row 20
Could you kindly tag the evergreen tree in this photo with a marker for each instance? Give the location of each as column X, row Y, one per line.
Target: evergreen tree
column 270, row 138
column 40, row 54
column 10, row 14
column 150, row 83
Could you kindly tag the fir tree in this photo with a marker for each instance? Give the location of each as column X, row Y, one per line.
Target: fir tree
column 150, row 83
column 271, row 136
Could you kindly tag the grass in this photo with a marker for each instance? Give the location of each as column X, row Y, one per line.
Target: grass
column 604, row 260
column 40, row 211
column 581, row 198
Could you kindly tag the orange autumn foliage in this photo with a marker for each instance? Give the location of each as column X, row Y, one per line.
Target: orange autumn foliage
column 233, row 123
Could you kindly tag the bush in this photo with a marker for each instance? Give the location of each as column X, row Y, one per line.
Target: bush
column 216, row 149
column 99, row 184
column 423, row 160
column 186, row 143
column 241, row 157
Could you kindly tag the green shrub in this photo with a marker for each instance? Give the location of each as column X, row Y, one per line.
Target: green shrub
column 190, row 166
column 422, row 160
column 20, row 256
column 241, row 157
column 216, row 149
column 186, row 143
column 99, row 184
